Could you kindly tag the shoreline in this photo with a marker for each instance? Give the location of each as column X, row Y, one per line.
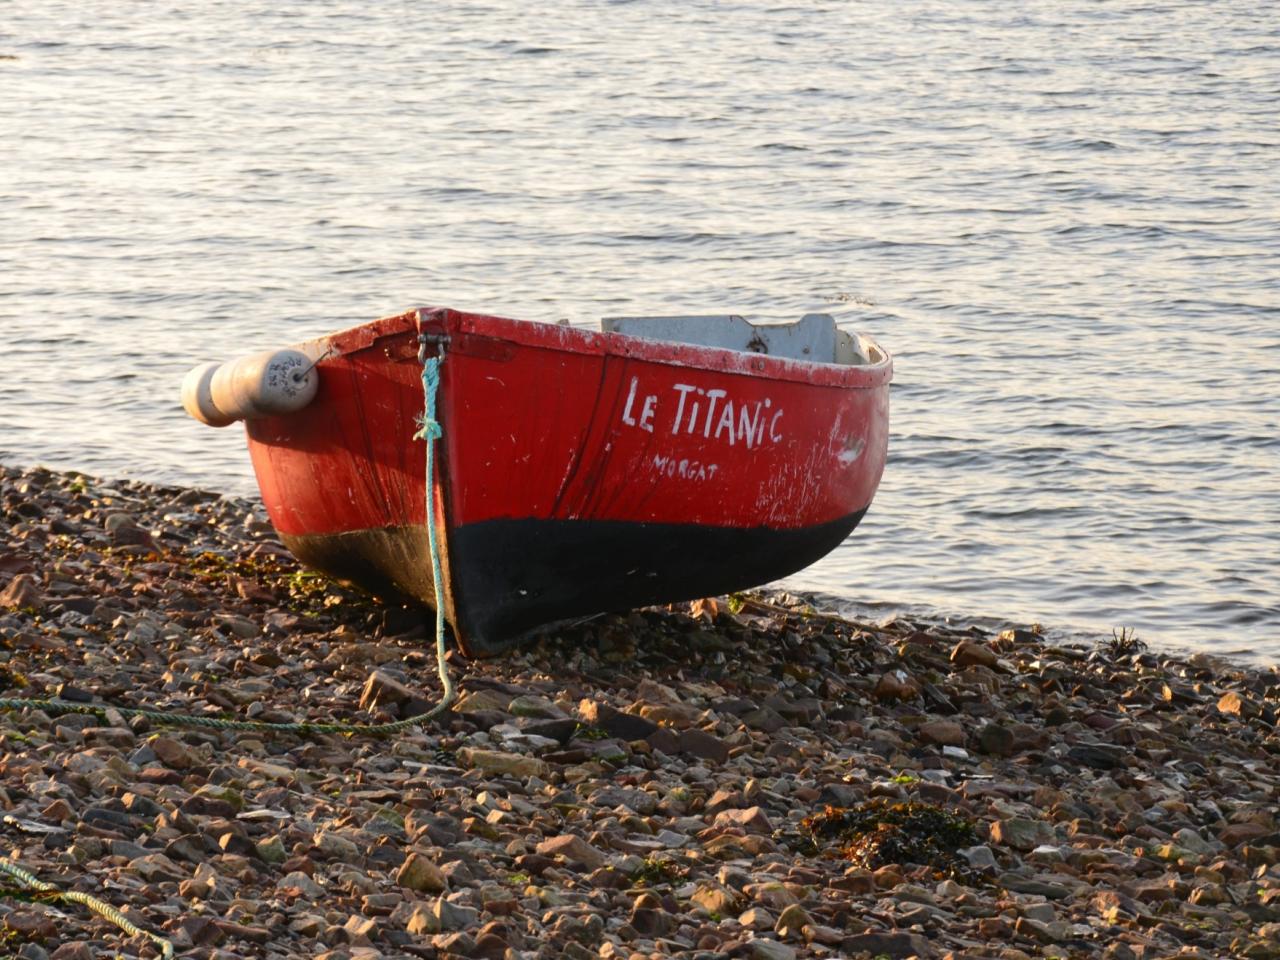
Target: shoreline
column 634, row 786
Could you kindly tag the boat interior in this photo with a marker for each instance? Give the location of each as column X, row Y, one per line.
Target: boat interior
column 814, row 338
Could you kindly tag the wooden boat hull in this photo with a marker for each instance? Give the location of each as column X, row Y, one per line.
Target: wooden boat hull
column 579, row 472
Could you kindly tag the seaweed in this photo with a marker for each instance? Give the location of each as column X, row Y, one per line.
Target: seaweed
column 880, row 832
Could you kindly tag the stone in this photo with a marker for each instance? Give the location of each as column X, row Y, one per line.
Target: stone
column 1237, row 833
column 638, row 801
column 969, row 654
column 484, row 699
column 716, row 900
column 271, row 850
column 896, row 685
column 336, row 847
column 791, row 921
column 573, row 848
column 979, row 858
column 421, row 874
column 157, row 868
column 175, row 754
column 757, row 918
column 703, row 745
column 454, row 916
column 996, row 740
column 1189, row 839
column 624, row 726
column 1232, row 703
column 763, row 949
column 540, row 708
column 383, row 690
column 1021, row 834
column 942, row 733
column 894, row 945
column 498, row 763
column 299, row 884
column 423, row 921
column 30, row 925
column 751, row 820
column 22, row 593
column 1100, row 756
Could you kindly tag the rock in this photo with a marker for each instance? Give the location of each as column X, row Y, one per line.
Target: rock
column 573, row 848
column 651, row 922
column 270, row 850
column 423, row 921
column 639, row 801
column 1232, row 703
column 716, row 900
column 157, row 868
column 751, row 820
column 896, row 685
column 792, row 921
column 495, row 762
column 454, row 916
column 298, row 884
column 763, row 949
column 942, row 733
column 174, row 754
column 29, row 925
column 705, row 746
column 421, row 874
column 1237, row 833
column 624, row 726
column 979, row 858
column 335, row 847
column 383, row 690
column 1100, row 756
column 1189, row 839
column 893, row 945
column 540, row 708
column 1021, row 834
column 996, row 740
column 22, row 593
column 969, row 654
column 484, row 699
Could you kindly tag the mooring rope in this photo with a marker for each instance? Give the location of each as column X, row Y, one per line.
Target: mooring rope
column 429, row 431
column 47, row 891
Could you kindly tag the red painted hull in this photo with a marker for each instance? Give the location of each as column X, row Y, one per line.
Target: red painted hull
column 579, row 471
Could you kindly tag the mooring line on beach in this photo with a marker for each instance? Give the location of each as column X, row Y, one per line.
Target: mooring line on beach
column 429, row 431
column 48, row 892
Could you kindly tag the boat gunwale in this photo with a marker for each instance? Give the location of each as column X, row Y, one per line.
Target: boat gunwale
column 598, row 343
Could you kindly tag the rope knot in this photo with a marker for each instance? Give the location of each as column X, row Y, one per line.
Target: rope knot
column 428, row 428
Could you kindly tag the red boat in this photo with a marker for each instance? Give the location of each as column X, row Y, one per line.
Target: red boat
column 578, row 472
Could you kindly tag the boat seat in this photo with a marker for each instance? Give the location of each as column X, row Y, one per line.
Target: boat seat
column 812, row 338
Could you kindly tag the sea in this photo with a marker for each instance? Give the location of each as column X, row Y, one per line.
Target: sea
column 1062, row 219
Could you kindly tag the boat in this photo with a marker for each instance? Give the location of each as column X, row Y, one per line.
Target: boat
column 576, row 471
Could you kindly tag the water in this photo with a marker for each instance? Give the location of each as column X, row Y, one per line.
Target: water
column 1062, row 218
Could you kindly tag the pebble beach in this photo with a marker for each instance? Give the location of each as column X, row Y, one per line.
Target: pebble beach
column 742, row 776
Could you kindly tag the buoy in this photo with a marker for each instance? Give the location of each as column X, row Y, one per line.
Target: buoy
column 264, row 385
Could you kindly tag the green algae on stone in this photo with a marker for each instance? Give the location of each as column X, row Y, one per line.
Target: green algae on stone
column 881, row 832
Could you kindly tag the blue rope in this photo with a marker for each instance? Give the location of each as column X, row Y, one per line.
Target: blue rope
column 429, row 431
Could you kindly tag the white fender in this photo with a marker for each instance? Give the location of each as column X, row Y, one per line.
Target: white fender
column 264, row 385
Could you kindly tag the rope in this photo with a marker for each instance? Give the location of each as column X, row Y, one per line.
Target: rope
column 30, row 881
column 429, row 432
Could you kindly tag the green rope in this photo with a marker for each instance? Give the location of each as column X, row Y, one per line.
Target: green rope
column 48, row 891
column 429, row 431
